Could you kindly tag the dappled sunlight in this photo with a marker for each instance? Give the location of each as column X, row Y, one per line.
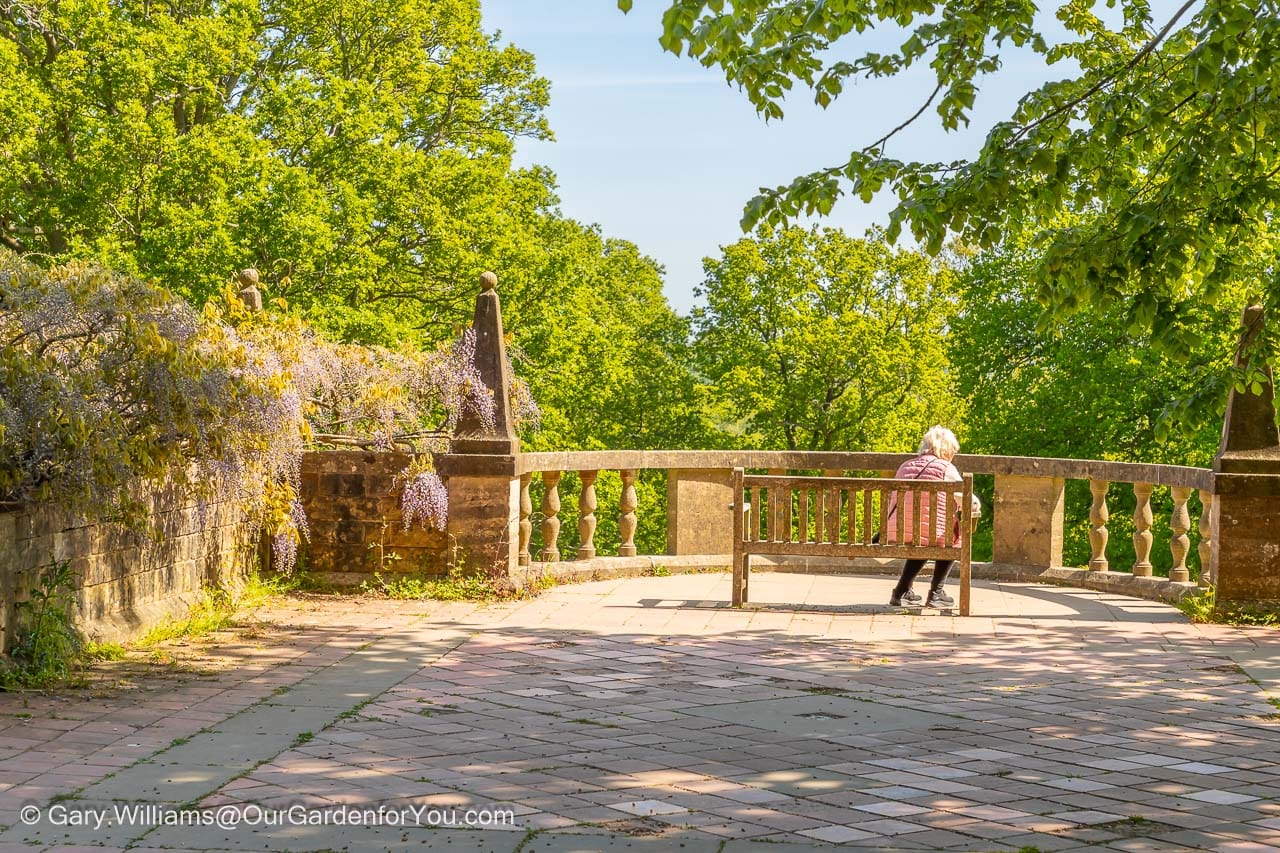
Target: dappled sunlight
column 647, row 708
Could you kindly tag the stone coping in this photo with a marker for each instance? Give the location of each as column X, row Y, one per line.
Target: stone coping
column 1025, row 466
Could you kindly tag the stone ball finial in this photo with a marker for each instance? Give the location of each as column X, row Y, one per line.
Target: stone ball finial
column 249, row 293
column 488, row 280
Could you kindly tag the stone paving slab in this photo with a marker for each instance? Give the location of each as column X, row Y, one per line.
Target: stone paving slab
column 646, row 714
column 826, row 716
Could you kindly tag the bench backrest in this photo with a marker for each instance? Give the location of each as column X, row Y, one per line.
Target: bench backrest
column 840, row 516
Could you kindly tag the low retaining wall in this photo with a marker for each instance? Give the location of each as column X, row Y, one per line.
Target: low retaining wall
column 352, row 501
column 126, row 583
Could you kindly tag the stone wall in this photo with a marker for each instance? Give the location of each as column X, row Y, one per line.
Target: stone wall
column 352, row 501
column 126, row 583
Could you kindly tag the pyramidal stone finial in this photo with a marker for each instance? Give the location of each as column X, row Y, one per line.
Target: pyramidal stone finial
column 473, row 436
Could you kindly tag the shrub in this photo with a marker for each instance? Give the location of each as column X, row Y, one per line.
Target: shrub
column 47, row 651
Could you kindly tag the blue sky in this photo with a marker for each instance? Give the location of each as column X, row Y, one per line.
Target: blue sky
column 660, row 151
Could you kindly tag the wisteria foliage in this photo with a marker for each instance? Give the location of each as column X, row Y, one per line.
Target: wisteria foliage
column 111, row 385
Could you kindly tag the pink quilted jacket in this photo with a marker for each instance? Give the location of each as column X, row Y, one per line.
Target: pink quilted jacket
column 926, row 466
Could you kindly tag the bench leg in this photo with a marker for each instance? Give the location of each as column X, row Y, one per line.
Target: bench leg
column 966, row 572
column 741, row 577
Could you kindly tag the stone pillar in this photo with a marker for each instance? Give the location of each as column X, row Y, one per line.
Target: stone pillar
column 627, row 520
column 550, row 517
column 472, row 436
column 1028, row 521
column 1205, row 526
column 1142, row 536
column 524, row 558
column 699, row 511
column 1245, row 553
column 480, row 468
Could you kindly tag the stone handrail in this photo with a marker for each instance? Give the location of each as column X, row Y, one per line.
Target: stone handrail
column 1026, row 466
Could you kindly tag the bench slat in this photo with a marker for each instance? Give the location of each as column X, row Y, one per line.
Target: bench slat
column 802, row 535
column 900, row 517
column 850, row 510
column 866, row 517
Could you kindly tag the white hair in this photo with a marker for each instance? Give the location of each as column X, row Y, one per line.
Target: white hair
column 939, row 441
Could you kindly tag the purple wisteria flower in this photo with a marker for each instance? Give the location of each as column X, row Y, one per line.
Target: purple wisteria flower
column 425, row 500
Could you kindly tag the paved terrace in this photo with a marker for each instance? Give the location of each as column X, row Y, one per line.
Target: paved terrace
column 644, row 714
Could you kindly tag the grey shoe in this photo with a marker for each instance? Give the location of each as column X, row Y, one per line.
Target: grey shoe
column 938, row 598
column 908, row 597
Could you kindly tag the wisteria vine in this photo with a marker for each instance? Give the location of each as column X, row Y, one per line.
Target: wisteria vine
column 111, row 385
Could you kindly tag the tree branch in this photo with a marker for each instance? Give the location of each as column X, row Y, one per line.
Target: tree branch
column 1147, row 48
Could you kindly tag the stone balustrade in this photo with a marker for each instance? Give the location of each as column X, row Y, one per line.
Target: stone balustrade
column 1028, row 512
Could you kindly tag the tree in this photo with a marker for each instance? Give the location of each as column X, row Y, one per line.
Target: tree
column 1161, row 131
column 356, row 152
column 813, row 340
column 609, row 363
column 1087, row 389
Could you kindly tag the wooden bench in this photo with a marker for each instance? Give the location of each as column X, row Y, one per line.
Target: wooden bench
column 839, row 517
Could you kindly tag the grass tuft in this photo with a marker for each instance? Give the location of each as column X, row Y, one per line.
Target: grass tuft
column 1203, row 606
column 455, row 586
column 217, row 610
column 95, row 651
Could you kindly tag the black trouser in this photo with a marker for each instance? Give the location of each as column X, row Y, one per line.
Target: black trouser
column 912, row 568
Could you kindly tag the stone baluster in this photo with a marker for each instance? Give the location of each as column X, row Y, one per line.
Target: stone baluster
column 587, row 516
column 627, row 520
column 1206, row 537
column 551, row 520
column 1142, row 530
column 526, row 520
column 1098, row 516
column 1179, row 542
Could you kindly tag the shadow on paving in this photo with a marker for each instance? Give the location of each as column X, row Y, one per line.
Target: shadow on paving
column 1097, row 606
column 1067, row 735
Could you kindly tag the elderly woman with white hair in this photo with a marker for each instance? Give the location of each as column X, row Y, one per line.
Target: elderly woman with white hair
column 931, row 462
